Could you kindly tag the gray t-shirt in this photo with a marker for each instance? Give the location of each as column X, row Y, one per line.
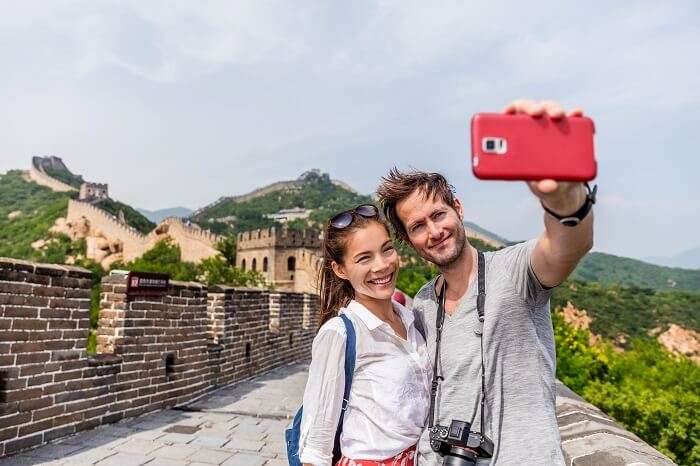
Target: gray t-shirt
column 520, row 362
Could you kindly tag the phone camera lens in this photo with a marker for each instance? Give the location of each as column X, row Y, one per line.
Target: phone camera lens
column 490, row 145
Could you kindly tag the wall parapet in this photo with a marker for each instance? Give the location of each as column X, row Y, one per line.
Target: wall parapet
column 153, row 352
column 104, row 220
column 193, row 232
column 591, row 438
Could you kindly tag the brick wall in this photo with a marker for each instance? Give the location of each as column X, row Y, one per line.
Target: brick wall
column 153, row 352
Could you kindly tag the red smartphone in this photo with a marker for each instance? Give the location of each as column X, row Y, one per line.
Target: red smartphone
column 522, row 147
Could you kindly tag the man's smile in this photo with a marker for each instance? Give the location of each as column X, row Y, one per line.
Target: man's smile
column 442, row 242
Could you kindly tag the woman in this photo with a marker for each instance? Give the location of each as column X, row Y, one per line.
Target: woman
column 389, row 396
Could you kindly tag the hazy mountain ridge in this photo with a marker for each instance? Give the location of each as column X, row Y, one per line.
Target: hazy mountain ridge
column 688, row 259
column 156, row 216
column 610, row 269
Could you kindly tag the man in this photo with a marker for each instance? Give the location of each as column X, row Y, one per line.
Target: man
column 518, row 342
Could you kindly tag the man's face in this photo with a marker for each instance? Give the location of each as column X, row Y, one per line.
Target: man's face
column 434, row 228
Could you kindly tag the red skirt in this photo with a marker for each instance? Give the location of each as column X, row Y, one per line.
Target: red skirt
column 405, row 458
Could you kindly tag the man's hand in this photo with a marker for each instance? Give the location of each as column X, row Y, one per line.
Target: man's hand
column 561, row 197
column 560, row 247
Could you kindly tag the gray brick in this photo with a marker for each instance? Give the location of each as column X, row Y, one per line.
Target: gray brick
column 125, row 459
column 239, row 444
column 250, row 432
column 148, row 434
column 277, row 462
column 175, row 452
column 279, row 448
column 54, row 451
column 137, row 446
column 167, row 462
column 245, row 459
column 89, row 456
column 212, row 456
column 176, row 438
column 210, row 442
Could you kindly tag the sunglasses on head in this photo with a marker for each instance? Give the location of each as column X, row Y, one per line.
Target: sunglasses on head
column 344, row 219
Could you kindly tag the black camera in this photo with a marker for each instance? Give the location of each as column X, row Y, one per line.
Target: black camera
column 458, row 445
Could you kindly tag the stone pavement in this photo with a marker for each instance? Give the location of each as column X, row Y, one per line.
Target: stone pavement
column 239, row 425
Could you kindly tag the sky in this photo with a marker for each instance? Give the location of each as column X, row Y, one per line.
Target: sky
column 176, row 103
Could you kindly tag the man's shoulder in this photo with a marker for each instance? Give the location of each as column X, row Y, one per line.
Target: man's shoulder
column 511, row 252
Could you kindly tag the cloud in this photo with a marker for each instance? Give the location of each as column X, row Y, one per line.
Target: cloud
column 222, row 96
column 164, row 41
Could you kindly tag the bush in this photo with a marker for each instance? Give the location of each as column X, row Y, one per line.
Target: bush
column 652, row 393
column 165, row 257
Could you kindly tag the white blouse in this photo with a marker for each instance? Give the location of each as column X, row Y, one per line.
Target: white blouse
column 390, row 392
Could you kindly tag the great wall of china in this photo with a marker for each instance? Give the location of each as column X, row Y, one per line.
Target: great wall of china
column 170, row 350
column 109, row 239
column 103, row 228
column 40, row 177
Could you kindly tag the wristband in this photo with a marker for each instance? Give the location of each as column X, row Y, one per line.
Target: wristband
column 576, row 218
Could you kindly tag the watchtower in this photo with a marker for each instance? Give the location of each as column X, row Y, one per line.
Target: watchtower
column 287, row 258
column 93, row 192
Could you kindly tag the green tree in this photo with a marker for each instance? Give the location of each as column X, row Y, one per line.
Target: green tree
column 217, row 270
column 164, row 257
column 652, row 393
column 227, row 248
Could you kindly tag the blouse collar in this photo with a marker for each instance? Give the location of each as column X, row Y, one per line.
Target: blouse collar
column 372, row 321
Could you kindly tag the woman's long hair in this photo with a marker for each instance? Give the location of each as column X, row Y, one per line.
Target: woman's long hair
column 335, row 292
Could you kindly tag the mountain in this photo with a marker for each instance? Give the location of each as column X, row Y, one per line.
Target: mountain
column 610, row 269
column 314, row 191
column 157, row 216
column 493, row 237
column 29, row 209
column 629, row 310
column 689, row 259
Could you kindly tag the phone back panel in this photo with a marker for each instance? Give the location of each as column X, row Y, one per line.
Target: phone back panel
column 534, row 148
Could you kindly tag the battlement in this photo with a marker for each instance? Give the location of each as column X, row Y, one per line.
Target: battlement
column 195, row 232
column 278, row 238
column 102, row 219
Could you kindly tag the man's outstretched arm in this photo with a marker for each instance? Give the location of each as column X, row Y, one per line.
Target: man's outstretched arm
column 560, row 247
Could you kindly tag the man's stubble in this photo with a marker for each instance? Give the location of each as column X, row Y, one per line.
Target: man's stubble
column 451, row 260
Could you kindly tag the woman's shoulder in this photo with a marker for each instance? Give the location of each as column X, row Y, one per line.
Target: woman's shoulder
column 332, row 327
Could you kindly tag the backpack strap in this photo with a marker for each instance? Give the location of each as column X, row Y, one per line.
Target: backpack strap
column 350, row 356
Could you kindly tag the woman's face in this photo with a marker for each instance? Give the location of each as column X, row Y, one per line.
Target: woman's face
column 370, row 264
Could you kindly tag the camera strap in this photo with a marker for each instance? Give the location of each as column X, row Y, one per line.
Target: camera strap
column 440, row 320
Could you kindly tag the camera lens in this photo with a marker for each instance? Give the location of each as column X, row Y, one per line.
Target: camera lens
column 490, row 144
column 460, row 457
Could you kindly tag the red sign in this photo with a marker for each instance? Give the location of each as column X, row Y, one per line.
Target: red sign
column 147, row 284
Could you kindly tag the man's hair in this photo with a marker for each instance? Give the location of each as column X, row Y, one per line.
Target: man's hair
column 397, row 186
